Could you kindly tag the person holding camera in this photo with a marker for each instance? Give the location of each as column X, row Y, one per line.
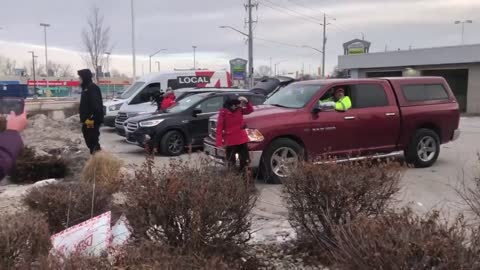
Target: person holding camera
column 231, row 133
column 10, row 142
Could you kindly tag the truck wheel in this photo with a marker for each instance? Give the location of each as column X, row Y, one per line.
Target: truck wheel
column 281, row 156
column 423, row 149
column 172, row 143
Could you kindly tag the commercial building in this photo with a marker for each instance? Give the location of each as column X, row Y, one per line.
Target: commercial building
column 459, row 65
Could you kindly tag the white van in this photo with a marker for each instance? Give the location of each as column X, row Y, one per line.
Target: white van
column 133, row 99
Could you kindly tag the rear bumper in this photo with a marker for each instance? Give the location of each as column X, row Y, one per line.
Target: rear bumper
column 456, row 134
column 218, row 155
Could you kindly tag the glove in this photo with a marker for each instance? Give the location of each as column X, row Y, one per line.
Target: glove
column 90, row 123
column 243, row 99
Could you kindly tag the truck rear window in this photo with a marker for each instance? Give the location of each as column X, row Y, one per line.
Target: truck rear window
column 424, row 92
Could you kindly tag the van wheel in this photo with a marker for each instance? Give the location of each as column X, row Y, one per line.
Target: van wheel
column 172, row 143
column 281, row 156
column 423, row 149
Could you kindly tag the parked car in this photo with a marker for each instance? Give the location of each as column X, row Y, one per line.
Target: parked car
column 180, row 94
column 413, row 115
column 138, row 94
column 184, row 124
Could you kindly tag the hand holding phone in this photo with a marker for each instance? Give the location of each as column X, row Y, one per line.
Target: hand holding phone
column 17, row 122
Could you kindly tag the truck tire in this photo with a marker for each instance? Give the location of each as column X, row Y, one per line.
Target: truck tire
column 423, row 149
column 172, row 143
column 279, row 156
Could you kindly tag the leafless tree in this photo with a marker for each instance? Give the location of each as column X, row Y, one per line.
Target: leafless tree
column 65, row 71
column 96, row 39
column 7, row 66
column 263, row 71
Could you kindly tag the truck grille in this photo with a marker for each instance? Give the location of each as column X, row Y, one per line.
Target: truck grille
column 132, row 127
column 212, row 129
column 121, row 118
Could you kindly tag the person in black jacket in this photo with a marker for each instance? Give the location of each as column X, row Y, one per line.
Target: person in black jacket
column 91, row 110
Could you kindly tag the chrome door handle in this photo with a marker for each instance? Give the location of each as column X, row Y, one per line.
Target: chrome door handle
column 349, row 117
column 390, row 114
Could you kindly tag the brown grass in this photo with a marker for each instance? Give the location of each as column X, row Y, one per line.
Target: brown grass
column 106, row 170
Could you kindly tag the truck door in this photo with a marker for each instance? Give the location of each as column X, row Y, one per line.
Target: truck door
column 377, row 116
column 334, row 133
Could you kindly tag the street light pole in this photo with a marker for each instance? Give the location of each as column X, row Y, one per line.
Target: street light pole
column 45, row 25
column 463, row 27
column 133, row 41
column 323, row 59
column 34, row 76
column 194, row 57
column 158, row 65
column 152, row 55
column 250, row 48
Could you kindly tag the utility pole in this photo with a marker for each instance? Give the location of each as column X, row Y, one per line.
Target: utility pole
column 324, row 43
column 133, row 42
column 158, row 65
column 270, row 66
column 463, row 28
column 45, row 25
column 250, row 7
column 34, row 77
column 194, row 57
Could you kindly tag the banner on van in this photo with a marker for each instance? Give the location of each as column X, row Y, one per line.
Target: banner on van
column 192, row 81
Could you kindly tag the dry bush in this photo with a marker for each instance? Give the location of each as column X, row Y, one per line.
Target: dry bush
column 30, row 168
column 105, row 168
column 195, row 209
column 23, row 237
column 404, row 241
column 321, row 196
column 469, row 192
column 67, row 204
column 146, row 255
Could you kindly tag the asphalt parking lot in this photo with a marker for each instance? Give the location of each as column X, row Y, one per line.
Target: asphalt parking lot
column 422, row 189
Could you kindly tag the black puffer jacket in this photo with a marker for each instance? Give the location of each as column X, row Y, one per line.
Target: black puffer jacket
column 91, row 102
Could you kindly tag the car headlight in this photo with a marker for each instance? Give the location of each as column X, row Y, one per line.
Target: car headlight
column 115, row 107
column 151, row 123
column 254, row 135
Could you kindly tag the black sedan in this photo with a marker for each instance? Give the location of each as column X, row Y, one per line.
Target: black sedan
column 185, row 124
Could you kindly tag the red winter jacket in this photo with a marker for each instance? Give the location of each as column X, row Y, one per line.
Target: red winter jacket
column 168, row 101
column 231, row 128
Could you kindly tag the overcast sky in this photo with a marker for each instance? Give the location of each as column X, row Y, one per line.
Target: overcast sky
column 286, row 24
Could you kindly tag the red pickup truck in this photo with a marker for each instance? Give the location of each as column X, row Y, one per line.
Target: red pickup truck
column 388, row 115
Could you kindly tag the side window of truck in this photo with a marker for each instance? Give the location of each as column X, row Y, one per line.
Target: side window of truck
column 424, row 92
column 368, row 95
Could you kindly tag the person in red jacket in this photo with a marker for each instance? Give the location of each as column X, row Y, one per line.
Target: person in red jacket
column 168, row 100
column 231, row 133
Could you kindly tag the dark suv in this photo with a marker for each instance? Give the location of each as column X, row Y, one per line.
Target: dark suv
column 185, row 124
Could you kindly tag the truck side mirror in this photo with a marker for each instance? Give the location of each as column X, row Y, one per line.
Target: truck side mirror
column 196, row 112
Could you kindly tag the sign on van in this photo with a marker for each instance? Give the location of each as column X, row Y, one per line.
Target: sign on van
column 192, row 81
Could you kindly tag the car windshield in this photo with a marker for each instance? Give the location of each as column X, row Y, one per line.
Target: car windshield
column 185, row 103
column 131, row 90
column 294, row 95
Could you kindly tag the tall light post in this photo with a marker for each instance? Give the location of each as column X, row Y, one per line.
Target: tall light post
column 158, row 65
column 463, row 27
column 250, row 51
column 152, row 55
column 34, row 76
column 194, row 57
column 133, row 41
column 320, row 51
column 108, row 62
column 277, row 64
column 45, row 25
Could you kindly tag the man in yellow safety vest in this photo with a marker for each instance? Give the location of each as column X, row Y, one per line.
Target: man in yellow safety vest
column 341, row 102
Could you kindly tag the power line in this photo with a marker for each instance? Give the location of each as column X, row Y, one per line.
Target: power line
column 290, row 12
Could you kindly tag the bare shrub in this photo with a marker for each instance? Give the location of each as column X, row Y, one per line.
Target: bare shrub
column 67, row 204
column 404, row 241
column 145, row 255
column 30, row 168
column 196, row 209
column 105, row 169
column 319, row 197
column 23, row 237
column 469, row 192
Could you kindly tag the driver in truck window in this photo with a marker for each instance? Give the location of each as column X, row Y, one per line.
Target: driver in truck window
column 339, row 100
